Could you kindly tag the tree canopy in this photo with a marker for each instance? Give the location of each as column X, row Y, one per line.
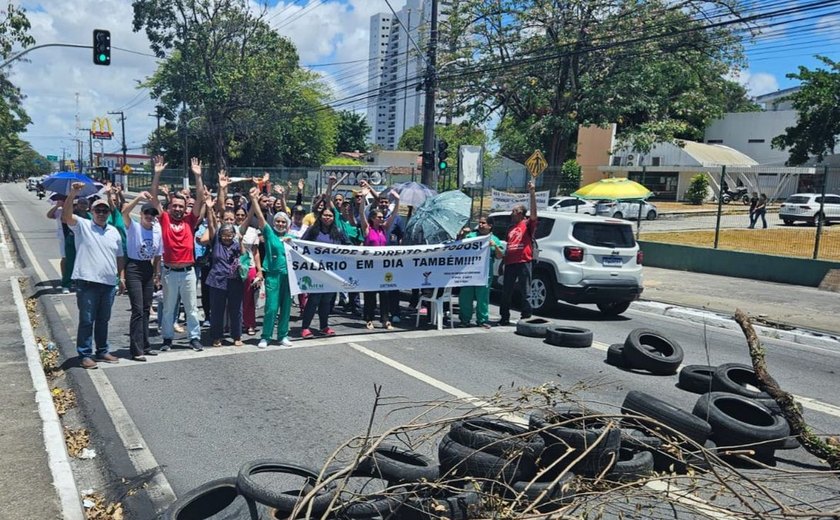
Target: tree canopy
column 818, row 124
column 545, row 67
column 353, row 130
column 238, row 81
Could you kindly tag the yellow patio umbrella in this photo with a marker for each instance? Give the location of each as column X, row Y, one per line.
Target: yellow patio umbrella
column 613, row 189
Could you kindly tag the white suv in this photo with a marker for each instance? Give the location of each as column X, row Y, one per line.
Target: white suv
column 582, row 259
column 806, row 206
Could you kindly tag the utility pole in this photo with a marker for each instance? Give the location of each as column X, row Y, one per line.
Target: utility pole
column 158, row 114
column 90, row 145
column 122, row 120
column 428, row 173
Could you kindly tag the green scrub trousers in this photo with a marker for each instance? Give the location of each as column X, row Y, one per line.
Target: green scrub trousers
column 277, row 298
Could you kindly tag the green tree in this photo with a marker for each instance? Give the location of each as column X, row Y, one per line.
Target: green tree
column 455, row 136
column 698, row 190
column 818, row 122
column 238, row 80
column 544, row 68
column 569, row 177
column 343, row 161
column 353, row 131
column 14, row 31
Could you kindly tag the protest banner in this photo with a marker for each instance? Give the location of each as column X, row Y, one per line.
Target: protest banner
column 503, row 200
column 315, row 267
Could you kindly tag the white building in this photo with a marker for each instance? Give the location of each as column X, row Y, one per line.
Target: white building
column 751, row 133
column 395, row 69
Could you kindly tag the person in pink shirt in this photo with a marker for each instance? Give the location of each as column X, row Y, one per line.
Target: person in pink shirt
column 375, row 232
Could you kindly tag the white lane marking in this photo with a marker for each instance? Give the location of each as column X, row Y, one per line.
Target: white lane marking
column 25, row 243
column 56, row 264
column 59, row 461
column 159, row 489
column 806, row 402
column 4, row 250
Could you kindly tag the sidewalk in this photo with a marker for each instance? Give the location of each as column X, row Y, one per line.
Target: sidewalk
column 791, row 305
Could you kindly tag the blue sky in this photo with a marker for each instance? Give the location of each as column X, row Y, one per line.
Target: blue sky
column 324, row 31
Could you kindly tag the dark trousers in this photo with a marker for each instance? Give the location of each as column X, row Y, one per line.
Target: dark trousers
column 139, row 281
column 384, row 306
column 320, row 303
column 205, row 292
column 230, row 300
column 94, row 301
column 517, row 278
column 393, row 298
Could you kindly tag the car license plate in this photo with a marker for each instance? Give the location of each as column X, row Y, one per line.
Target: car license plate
column 612, row 261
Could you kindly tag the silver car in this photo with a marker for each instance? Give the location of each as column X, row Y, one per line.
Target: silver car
column 626, row 209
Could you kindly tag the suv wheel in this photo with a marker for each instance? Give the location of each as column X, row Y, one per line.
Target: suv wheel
column 787, row 222
column 651, row 215
column 613, row 308
column 618, row 214
column 541, row 296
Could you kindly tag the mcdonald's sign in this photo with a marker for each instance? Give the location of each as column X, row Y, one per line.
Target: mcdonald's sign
column 100, row 128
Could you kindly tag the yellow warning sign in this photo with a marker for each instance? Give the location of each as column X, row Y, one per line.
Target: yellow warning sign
column 126, row 169
column 536, row 164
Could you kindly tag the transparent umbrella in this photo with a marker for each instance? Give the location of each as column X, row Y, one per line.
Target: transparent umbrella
column 413, row 193
column 439, row 219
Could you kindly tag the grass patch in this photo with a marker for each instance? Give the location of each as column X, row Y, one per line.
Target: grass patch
column 796, row 242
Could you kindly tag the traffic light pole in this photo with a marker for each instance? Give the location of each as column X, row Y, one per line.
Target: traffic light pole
column 428, row 173
column 124, row 149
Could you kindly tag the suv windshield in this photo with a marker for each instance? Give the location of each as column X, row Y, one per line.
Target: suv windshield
column 603, row 234
column 798, row 199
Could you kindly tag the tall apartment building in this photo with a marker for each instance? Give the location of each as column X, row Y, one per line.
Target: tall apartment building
column 395, row 69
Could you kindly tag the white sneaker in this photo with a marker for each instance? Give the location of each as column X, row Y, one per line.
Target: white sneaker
column 286, row 342
column 65, row 290
column 262, row 344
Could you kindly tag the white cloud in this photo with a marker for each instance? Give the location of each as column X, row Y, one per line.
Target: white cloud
column 756, row 83
column 328, row 32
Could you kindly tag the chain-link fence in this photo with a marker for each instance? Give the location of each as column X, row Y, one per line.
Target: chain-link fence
column 784, row 211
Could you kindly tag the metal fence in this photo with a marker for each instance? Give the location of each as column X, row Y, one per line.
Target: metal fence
column 175, row 178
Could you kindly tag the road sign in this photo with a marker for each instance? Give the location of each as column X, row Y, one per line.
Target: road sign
column 536, row 164
column 52, row 157
column 126, row 169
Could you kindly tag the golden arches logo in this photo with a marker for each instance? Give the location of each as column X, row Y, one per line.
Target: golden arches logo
column 100, row 128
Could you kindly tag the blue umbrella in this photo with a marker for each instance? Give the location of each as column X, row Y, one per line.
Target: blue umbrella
column 60, row 183
column 413, row 193
column 439, row 219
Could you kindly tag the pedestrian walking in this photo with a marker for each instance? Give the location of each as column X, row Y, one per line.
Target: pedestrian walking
column 143, row 250
column 98, row 267
column 760, row 212
column 753, row 205
column 177, row 271
column 480, row 294
column 518, row 257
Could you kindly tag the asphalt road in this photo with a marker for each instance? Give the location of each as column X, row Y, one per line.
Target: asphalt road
column 201, row 415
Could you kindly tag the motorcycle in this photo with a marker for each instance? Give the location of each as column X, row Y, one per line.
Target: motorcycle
column 41, row 193
column 739, row 193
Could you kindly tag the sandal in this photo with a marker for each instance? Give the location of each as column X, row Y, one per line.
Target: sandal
column 369, row 325
column 388, row 326
column 217, row 343
column 237, row 343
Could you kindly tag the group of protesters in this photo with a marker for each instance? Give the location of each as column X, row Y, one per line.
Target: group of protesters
column 233, row 248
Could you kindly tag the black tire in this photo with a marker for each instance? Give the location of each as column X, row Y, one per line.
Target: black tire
column 631, row 465
column 615, row 355
column 497, row 437
column 563, row 336
column 577, row 437
column 204, row 501
column 399, row 465
column 734, row 378
column 442, row 505
column 618, row 214
column 649, row 350
column 745, row 199
column 696, row 378
column 541, row 293
column 637, row 440
column 283, row 501
column 372, row 506
column 737, row 420
column 646, row 405
column 771, row 405
column 613, row 308
column 651, row 215
column 787, row 222
column 555, row 495
column 683, row 459
column 457, row 460
column 533, row 327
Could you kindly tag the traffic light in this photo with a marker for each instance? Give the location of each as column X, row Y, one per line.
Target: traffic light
column 442, row 145
column 101, row 47
column 429, row 161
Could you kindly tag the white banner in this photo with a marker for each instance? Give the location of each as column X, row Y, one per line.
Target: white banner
column 502, row 200
column 315, row 267
column 470, row 166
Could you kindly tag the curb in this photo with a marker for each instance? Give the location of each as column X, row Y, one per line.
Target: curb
column 800, row 336
column 59, row 462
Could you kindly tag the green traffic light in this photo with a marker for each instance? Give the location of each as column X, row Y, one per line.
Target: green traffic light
column 442, row 165
column 103, row 58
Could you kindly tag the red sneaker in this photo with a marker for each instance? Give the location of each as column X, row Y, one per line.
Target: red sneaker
column 328, row 332
column 306, row 334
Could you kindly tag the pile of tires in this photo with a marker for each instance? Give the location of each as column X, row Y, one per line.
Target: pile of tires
column 649, row 350
column 554, row 334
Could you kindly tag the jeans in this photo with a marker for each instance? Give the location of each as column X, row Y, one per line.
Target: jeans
column 755, row 216
column 94, row 301
column 139, row 280
column 517, row 278
column 179, row 283
column 229, row 300
column 320, row 303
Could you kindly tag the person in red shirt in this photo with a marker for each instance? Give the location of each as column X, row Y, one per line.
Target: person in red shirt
column 177, row 272
column 518, row 257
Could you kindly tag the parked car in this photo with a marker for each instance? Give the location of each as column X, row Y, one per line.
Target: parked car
column 570, row 205
column 628, row 209
column 806, row 207
column 582, row 259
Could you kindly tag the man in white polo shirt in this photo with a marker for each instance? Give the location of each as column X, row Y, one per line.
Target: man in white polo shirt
column 99, row 265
